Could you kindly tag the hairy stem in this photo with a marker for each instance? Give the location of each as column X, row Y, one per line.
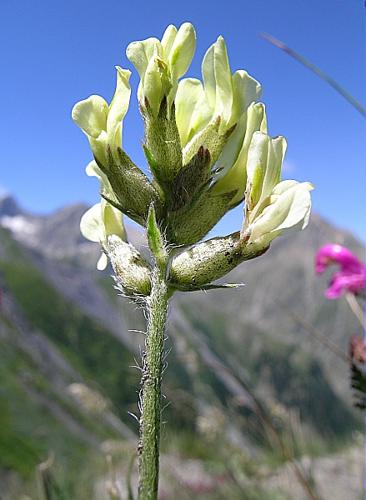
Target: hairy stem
column 150, row 420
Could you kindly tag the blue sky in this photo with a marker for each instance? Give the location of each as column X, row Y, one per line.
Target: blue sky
column 54, row 53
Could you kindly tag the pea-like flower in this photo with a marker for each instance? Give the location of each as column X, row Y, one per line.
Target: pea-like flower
column 102, row 123
column 161, row 63
column 351, row 276
column 272, row 206
column 206, row 112
column 98, row 223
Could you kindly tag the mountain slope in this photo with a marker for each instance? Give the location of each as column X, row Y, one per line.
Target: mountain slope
column 224, row 345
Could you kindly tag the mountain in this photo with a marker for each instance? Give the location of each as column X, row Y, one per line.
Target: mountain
column 63, row 324
column 56, row 235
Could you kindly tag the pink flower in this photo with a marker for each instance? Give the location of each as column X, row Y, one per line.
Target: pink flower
column 351, row 276
column 336, row 254
column 357, row 349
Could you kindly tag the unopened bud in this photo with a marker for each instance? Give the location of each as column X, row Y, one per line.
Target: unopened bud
column 132, row 273
column 211, row 260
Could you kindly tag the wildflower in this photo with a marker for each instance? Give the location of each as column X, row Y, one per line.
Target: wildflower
column 333, row 253
column 98, row 223
column 207, row 148
column 102, row 123
column 209, row 111
column 160, row 64
column 272, row 206
column 351, row 276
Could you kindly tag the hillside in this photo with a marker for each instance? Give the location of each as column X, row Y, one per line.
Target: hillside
column 61, row 323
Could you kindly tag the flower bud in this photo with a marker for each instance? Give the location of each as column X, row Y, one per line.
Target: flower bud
column 191, row 110
column 132, row 273
column 211, row 260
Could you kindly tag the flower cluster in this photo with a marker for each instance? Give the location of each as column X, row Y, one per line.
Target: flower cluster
column 351, row 276
column 208, row 149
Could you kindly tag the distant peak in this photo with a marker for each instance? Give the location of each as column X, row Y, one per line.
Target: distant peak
column 9, row 206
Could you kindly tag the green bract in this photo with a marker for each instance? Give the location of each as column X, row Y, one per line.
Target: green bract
column 207, row 148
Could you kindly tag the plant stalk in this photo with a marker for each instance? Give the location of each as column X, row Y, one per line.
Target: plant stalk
column 153, row 358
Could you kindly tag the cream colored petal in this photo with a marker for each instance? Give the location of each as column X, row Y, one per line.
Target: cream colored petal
column 92, row 170
column 91, row 115
column 182, row 51
column 246, row 90
column 140, row 52
column 231, row 151
column 208, row 73
column 153, row 47
column 91, row 224
column 276, row 152
column 168, row 40
column 256, row 167
column 99, row 146
column 223, row 78
column 113, row 221
column 233, row 160
column 153, row 89
column 290, row 209
column 102, row 262
column 190, row 92
column 118, row 106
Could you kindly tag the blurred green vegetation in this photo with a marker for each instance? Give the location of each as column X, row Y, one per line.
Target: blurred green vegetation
column 37, row 421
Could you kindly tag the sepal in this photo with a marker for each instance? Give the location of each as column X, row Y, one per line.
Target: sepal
column 191, row 179
column 132, row 189
column 192, row 223
column 162, row 143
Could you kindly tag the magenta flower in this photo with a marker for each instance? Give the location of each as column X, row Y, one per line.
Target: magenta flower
column 351, row 276
column 357, row 349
